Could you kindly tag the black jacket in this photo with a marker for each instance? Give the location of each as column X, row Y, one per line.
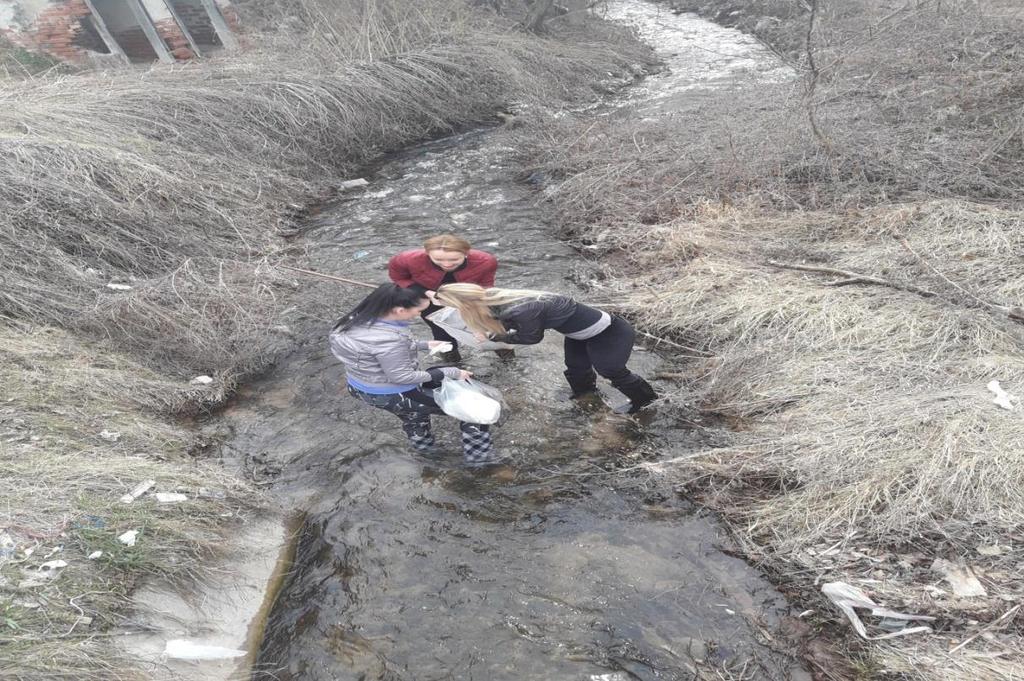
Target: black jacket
column 527, row 321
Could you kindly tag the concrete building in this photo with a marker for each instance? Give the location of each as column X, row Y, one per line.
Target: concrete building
column 84, row 31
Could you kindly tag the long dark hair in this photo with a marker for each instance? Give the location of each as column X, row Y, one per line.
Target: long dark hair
column 378, row 304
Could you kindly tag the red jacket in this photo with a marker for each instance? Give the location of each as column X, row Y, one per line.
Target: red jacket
column 416, row 268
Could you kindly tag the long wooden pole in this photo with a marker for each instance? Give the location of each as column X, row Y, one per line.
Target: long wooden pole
column 328, row 276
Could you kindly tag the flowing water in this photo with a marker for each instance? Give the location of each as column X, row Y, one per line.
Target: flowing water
column 571, row 567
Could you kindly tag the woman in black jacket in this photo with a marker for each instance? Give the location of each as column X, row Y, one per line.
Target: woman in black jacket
column 594, row 339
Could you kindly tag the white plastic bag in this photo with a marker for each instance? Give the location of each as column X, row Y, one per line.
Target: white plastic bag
column 470, row 401
column 449, row 319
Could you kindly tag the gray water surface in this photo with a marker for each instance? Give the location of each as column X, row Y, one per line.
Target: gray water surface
column 576, row 564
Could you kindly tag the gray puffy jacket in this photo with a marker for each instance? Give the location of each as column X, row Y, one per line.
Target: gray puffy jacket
column 382, row 354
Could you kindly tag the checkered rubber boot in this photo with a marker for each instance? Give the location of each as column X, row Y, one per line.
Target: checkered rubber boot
column 420, row 437
column 477, row 449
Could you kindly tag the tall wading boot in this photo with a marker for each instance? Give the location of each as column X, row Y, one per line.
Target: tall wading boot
column 639, row 392
column 584, row 391
column 581, row 384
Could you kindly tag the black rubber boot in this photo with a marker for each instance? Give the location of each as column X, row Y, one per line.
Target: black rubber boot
column 639, row 392
column 581, row 384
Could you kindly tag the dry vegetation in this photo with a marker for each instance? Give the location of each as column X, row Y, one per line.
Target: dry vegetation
column 61, row 480
column 863, row 443
column 140, row 214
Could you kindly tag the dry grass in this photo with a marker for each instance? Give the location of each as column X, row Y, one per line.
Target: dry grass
column 61, row 480
column 859, row 440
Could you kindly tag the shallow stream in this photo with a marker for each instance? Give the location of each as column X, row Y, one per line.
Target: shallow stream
column 571, row 568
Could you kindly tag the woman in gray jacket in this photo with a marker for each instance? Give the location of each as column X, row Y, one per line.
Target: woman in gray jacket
column 381, row 367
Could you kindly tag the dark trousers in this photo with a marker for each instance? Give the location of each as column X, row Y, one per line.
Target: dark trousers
column 414, row 408
column 438, row 333
column 607, row 353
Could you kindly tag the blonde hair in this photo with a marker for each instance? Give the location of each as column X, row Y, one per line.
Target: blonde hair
column 474, row 303
column 447, row 242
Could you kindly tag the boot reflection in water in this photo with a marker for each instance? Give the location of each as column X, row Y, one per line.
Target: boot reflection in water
column 596, row 342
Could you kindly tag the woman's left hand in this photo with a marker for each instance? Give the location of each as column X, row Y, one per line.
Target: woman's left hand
column 480, row 337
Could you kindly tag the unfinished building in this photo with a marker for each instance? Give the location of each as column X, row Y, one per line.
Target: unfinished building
column 84, row 31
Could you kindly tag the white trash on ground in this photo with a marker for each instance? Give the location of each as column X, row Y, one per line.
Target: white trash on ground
column 169, row 497
column 1002, row 398
column 139, row 490
column 470, row 401
column 352, row 184
column 449, row 319
column 847, row 598
column 202, row 380
column 180, row 649
column 129, row 537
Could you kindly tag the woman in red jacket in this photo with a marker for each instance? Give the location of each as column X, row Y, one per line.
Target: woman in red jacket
column 444, row 259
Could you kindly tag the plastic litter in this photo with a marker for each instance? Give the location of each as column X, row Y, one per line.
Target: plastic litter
column 847, row 598
column 470, row 401
column 129, row 537
column 119, row 287
column 180, row 649
column 449, row 319
column 352, row 184
column 1002, row 398
column 169, row 497
column 95, row 554
column 110, row 435
column 53, row 566
column 139, row 490
column 202, row 380
column 359, row 255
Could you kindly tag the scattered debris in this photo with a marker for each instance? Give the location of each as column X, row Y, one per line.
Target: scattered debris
column 961, row 578
column 1002, row 398
column 56, row 549
column 169, row 497
column 129, row 537
column 181, row 649
column 53, row 566
column 95, row 554
column 208, row 493
column 359, row 255
column 202, row 380
column 352, row 184
column 139, row 490
column 110, row 435
column 847, row 598
column 119, row 287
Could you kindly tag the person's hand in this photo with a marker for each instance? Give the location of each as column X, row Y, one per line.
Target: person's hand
column 430, row 296
column 434, row 343
column 480, row 337
column 465, row 375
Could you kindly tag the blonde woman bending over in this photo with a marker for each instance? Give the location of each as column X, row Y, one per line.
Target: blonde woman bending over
column 594, row 339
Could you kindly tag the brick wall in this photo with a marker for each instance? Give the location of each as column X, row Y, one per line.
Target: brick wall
column 197, row 21
column 59, row 31
column 55, row 32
